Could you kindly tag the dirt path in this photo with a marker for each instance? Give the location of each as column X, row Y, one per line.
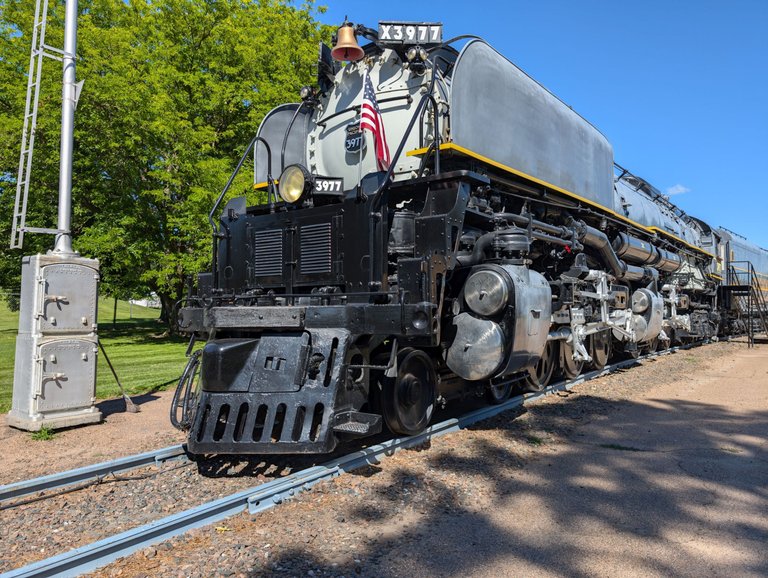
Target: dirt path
column 672, row 483
column 120, row 434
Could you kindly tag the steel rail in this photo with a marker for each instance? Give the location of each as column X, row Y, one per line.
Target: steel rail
column 257, row 499
column 90, row 473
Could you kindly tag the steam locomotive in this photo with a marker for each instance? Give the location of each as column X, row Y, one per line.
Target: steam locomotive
column 494, row 245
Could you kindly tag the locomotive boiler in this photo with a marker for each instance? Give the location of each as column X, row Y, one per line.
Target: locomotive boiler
column 441, row 226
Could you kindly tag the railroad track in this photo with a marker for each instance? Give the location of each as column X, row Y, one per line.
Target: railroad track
column 259, row 498
column 90, row 474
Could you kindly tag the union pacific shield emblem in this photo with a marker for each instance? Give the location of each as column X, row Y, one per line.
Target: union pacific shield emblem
column 355, row 139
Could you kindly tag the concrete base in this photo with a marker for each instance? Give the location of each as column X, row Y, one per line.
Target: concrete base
column 53, row 420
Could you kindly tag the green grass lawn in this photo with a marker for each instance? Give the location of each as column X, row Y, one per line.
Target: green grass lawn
column 145, row 359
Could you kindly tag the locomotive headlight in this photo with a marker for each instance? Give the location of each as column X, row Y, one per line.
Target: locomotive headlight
column 416, row 53
column 307, row 92
column 294, row 183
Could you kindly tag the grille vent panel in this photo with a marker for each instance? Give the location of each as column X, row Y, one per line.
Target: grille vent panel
column 315, row 249
column 268, row 252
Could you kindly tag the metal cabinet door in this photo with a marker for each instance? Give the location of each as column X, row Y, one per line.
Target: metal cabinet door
column 65, row 374
column 68, row 297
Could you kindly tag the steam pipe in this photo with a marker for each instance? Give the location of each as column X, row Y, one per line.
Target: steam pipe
column 562, row 236
column 556, row 240
column 634, row 250
column 599, row 241
column 485, row 241
column 524, row 219
column 481, row 246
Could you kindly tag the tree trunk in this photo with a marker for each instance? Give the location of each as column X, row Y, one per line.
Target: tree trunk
column 169, row 312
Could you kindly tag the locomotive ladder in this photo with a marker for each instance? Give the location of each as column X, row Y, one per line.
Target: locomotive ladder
column 745, row 296
column 39, row 50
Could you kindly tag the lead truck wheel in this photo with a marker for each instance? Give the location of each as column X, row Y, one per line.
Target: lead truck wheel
column 408, row 399
column 497, row 394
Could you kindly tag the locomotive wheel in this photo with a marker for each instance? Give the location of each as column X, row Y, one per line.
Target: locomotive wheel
column 600, row 348
column 539, row 377
column 407, row 400
column 653, row 345
column 496, row 394
column 571, row 368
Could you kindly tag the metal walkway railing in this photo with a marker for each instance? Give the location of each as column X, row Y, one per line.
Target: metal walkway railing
column 745, row 298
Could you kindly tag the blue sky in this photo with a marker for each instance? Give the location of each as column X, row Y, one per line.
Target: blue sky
column 680, row 88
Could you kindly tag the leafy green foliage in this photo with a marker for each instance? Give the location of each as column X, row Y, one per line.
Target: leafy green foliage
column 9, row 323
column 174, row 91
column 144, row 358
column 44, row 434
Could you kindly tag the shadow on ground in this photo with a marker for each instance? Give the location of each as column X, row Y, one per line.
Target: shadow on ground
column 659, row 489
column 117, row 405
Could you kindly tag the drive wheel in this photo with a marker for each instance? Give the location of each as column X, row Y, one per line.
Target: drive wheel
column 407, row 400
column 600, row 348
column 539, row 377
column 571, row 368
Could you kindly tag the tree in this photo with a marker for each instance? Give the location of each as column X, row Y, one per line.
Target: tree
column 174, row 91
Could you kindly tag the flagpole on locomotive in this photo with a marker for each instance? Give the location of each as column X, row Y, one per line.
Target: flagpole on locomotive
column 362, row 137
column 372, row 121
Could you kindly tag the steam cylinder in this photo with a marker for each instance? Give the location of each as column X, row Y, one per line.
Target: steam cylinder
column 505, row 324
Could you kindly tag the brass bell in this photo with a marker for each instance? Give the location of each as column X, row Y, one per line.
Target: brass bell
column 347, row 47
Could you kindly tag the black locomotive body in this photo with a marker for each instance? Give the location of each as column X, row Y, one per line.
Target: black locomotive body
column 487, row 257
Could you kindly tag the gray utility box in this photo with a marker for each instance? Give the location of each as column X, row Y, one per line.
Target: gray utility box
column 54, row 382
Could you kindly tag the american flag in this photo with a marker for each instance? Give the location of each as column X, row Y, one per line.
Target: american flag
column 370, row 119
